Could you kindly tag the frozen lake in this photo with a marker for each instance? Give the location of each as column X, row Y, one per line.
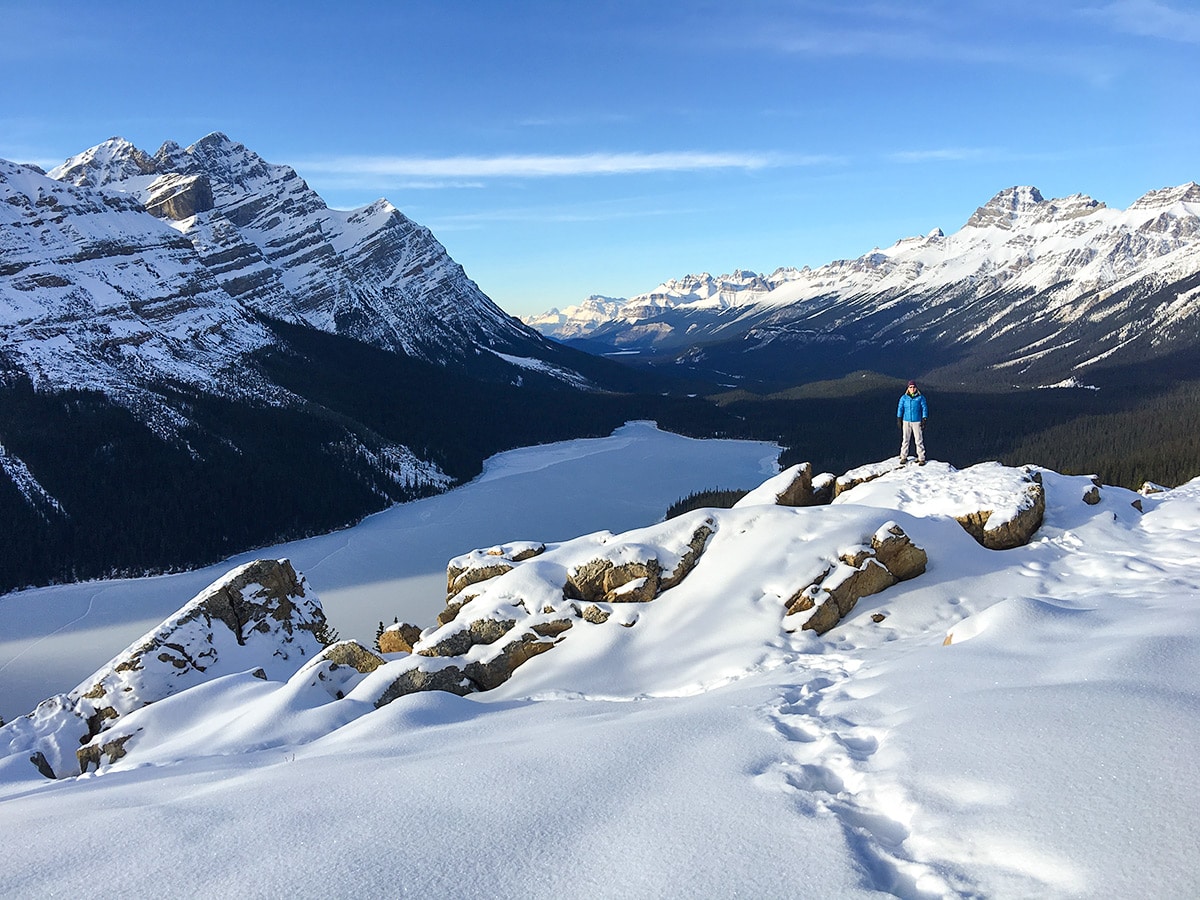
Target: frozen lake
column 392, row 564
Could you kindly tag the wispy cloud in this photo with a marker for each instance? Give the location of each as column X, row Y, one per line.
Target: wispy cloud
column 547, row 165
column 1150, row 18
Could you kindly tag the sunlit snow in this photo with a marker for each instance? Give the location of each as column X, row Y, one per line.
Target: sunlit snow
column 1018, row 723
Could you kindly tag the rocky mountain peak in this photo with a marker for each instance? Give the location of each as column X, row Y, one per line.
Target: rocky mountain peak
column 223, row 159
column 1169, row 196
column 1006, row 207
column 112, row 161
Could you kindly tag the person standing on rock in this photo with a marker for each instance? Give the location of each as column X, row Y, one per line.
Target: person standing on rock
column 911, row 414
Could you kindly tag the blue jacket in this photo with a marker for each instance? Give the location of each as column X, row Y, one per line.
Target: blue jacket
column 912, row 408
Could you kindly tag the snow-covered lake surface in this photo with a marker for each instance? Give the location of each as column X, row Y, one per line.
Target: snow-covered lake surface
column 392, row 564
column 1008, row 723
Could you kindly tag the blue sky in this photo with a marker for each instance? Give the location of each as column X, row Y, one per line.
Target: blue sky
column 561, row 149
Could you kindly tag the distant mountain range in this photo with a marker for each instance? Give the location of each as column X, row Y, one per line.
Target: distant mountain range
column 1028, row 292
column 194, row 331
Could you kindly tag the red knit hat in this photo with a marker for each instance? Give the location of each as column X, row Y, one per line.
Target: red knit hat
column 912, row 384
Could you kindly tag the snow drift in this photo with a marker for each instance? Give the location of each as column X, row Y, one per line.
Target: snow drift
column 985, row 722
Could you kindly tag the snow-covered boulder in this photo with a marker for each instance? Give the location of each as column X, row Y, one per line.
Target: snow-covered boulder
column 258, row 617
column 1012, row 521
column 794, row 486
column 1000, row 506
column 890, row 557
column 481, row 565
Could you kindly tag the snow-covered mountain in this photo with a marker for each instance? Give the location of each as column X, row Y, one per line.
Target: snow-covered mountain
column 96, row 294
column 122, row 271
column 271, row 242
column 692, row 292
column 850, row 697
column 200, row 317
column 1028, row 291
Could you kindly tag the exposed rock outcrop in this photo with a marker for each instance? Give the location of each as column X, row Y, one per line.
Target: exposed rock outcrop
column 399, row 638
column 352, row 654
column 889, row 557
column 1013, row 527
column 261, row 615
column 863, row 474
column 1000, row 506
column 495, row 620
column 178, row 197
column 794, row 486
column 601, row 580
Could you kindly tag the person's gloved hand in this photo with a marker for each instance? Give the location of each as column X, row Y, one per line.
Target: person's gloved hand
column 924, row 424
column 900, row 424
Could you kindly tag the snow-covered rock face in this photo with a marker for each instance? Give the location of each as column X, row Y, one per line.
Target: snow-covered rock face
column 96, row 294
column 260, row 619
column 1027, row 288
column 271, row 242
column 1001, row 507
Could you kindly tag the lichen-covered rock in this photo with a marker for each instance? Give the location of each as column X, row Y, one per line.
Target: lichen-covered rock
column 595, row 614
column 450, row 679
column 457, row 641
column 352, row 654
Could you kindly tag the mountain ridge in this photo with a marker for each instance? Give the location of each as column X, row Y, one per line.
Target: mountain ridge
column 271, row 241
column 1029, row 290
